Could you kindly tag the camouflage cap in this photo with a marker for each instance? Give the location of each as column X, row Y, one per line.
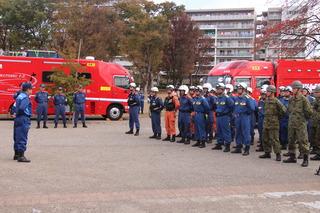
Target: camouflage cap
column 271, row 88
column 296, row 85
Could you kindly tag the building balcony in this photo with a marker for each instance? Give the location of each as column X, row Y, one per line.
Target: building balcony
column 222, row 17
column 249, row 36
column 234, row 55
column 239, row 46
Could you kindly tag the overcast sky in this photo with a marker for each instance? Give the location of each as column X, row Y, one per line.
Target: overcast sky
column 260, row 5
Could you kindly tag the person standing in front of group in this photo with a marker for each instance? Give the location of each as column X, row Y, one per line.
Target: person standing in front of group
column 300, row 111
column 171, row 104
column 22, row 123
column 156, row 106
column 60, row 102
column 134, row 107
column 274, row 110
column 79, row 100
column 41, row 99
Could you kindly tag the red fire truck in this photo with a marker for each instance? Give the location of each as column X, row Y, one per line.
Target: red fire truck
column 257, row 73
column 106, row 95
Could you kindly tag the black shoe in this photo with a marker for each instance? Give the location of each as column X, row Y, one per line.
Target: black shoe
column 153, row 136
column 286, row 154
column 313, row 151
column 202, row 144
column 137, row 132
column 237, row 150
column 23, row 159
column 173, row 139
column 64, row 125
column 292, row 159
column 158, row 137
column 179, row 135
column 181, row 141
column 196, row 144
column 316, row 157
column 217, row 147
column 265, row 155
column 227, row 148
column 130, row 132
column 45, row 127
column 75, row 126
column 278, row 157
column 246, row 151
column 305, row 162
column 167, row 138
column 300, row 156
column 84, row 125
column 16, row 155
column 187, row 142
column 38, row 127
column 56, row 126
column 260, row 149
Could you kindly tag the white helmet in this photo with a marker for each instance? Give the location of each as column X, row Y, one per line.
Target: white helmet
column 133, row 85
column 170, row 87
column 200, row 88
column 138, row 89
column 242, row 85
column 192, row 88
column 264, row 87
column 154, row 89
column 207, row 86
column 220, row 86
column 249, row 89
column 288, row 88
column 230, row 87
column 184, row 88
column 308, row 89
column 263, row 91
column 213, row 89
column 282, row 88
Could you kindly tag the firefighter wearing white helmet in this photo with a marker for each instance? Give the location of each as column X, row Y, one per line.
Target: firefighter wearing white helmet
column 201, row 109
column 184, row 117
column 253, row 114
column 281, row 90
column 285, row 119
column 212, row 104
column 134, row 108
column 300, row 111
column 224, row 108
column 229, row 89
column 261, row 103
column 192, row 126
column 243, row 110
column 156, row 106
column 306, row 91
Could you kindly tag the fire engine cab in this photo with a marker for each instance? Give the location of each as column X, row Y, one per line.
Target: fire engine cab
column 106, row 95
column 257, row 73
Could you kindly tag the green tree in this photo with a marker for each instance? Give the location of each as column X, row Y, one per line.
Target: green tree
column 69, row 77
column 25, row 24
column 146, row 36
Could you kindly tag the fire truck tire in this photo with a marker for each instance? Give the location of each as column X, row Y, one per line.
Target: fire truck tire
column 115, row 112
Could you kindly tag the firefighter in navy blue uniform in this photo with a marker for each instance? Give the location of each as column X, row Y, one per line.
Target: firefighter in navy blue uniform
column 141, row 97
column 285, row 119
column 223, row 112
column 243, row 110
column 79, row 100
column 201, row 109
column 156, row 106
column 22, row 122
column 253, row 114
column 60, row 102
column 134, row 108
column 192, row 127
column 306, row 92
column 42, row 109
column 212, row 104
column 261, row 102
column 281, row 92
column 186, row 107
column 230, row 91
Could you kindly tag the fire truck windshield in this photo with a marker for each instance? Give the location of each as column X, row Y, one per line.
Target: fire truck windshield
column 214, row 80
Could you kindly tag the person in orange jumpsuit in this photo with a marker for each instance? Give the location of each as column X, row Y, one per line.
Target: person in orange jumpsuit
column 171, row 105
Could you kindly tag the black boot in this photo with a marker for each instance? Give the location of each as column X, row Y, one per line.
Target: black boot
column 16, row 155
column 75, row 125
column 278, row 157
column 137, row 132
column 158, row 136
column 179, row 135
column 45, row 125
column 23, row 159
column 283, row 147
column 55, row 126
column 237, row 150
column 153, row 136
column 130, row 132
column 246, row 151
column 300, row 156
column 226, row 148
column 217, row 147
column 84, row 125
column 187, row 142
column 64, row 125
column 173, row 139
column 313, row 151
column 305, row 162
column 167, row 138
column 196, row 144
column 292, row 159
column 38, row 125
column 202, row 144
column 183, row 140
column 316, row 157
column 265, row 155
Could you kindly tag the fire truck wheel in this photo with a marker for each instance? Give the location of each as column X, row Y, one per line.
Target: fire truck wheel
column 115, row 112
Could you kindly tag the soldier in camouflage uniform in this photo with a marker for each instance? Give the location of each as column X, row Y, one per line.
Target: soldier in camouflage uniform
column 315, row 128
column 273, row 111
column 300, row 111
